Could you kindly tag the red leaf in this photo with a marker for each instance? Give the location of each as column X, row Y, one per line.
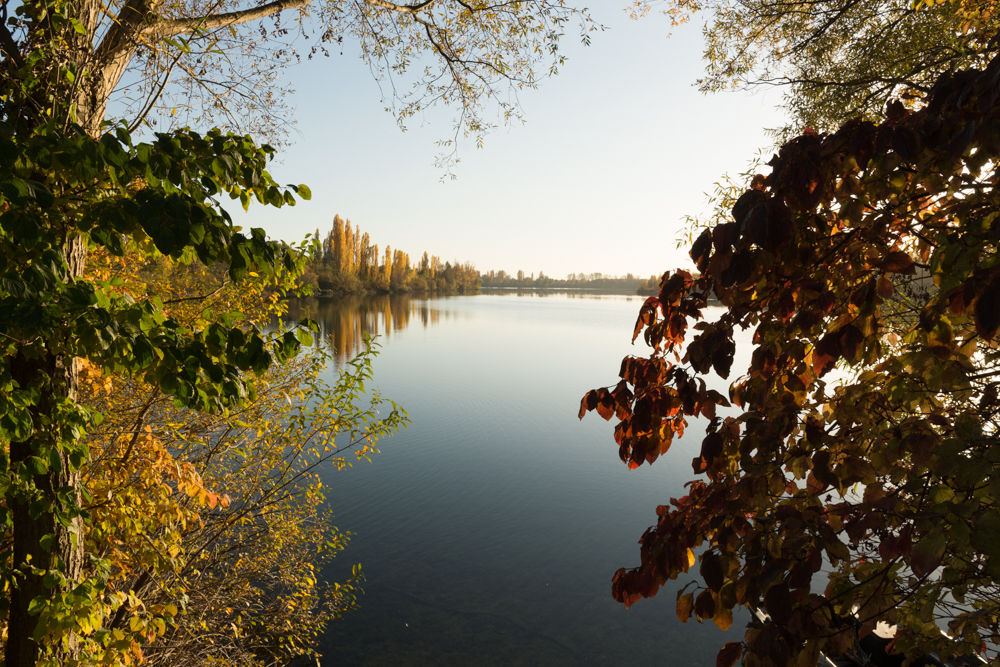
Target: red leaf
column 588, row 403
column 647, row 316
column 729, row 654
column 623, row 587
column 675, row 287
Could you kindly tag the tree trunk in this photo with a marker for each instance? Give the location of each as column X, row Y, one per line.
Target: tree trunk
column 56, row 376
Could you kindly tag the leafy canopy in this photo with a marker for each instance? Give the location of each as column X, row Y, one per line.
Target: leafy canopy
column 852, row 471
column 836, row 59
column 113, row 195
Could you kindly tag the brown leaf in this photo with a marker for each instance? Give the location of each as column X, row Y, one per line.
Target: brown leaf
column 729, row 654
column 724, row 237
column 722, row 357
column 780, row 228
column 605, row 404
column 988, row 311
column 711, row 447
column 588, row 403
column 704, row 605
column 711, row 570
column 898, row 262
column 757, row 224
column 743, row 206
column 647, row 315
column 906, row 142
column 884, row 287
column 723, row 617
column 850, row 339
column 778, row 603
column 623, row 586
column 740, row 268
column 928, row 552
column 685, row 605
column 701, row 250
column 675, row 287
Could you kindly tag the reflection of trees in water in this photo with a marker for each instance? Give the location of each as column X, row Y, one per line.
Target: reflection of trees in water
column 344, row 321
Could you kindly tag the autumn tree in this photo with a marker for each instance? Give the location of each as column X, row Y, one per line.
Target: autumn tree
column 850, row 475
column 213, row 525
column 836, row 59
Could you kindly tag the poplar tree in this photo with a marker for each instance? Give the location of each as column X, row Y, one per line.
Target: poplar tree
column 338, row 244
column 348, row 266
column 365, row 256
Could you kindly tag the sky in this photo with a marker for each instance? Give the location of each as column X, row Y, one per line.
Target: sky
column 615, row 151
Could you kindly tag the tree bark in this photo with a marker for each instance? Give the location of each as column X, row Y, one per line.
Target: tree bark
column 57, row 377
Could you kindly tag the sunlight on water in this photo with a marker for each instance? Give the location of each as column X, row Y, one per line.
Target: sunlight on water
column 490, row 529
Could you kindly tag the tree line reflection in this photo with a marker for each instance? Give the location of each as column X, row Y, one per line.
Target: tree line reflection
column 343, row 321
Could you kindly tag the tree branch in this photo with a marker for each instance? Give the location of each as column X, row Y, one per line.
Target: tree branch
column 9, row 46
column 405, row 9
column 167, row 27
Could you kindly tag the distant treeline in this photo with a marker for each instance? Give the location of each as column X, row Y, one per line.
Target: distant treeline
column 596, row 281
column 346, row 261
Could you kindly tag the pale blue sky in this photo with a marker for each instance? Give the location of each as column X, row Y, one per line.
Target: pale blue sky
column 615, row 151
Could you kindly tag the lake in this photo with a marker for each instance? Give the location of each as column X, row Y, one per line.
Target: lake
column 489, row 530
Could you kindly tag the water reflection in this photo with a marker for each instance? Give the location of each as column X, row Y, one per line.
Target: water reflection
column 344, row 321
column 489, row 530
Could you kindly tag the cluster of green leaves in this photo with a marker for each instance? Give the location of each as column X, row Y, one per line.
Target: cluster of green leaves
column 852, row 475
column 55, row 186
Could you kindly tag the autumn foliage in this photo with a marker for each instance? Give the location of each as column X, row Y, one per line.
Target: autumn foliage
column 851, row 474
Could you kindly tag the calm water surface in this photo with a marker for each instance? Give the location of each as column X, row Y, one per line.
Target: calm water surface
column 489, row 530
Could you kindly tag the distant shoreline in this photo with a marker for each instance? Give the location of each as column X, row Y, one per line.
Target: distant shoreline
column 609, row 291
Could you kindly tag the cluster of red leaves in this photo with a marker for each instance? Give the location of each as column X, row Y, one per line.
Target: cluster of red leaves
column 872, row 250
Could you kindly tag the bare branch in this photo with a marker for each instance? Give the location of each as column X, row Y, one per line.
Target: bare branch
column 405, row 9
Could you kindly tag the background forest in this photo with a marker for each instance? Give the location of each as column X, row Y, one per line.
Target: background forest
column 347, row 262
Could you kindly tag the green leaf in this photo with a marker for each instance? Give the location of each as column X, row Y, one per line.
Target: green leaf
column 36, row 605
column 928, row 552
column 986, row 535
